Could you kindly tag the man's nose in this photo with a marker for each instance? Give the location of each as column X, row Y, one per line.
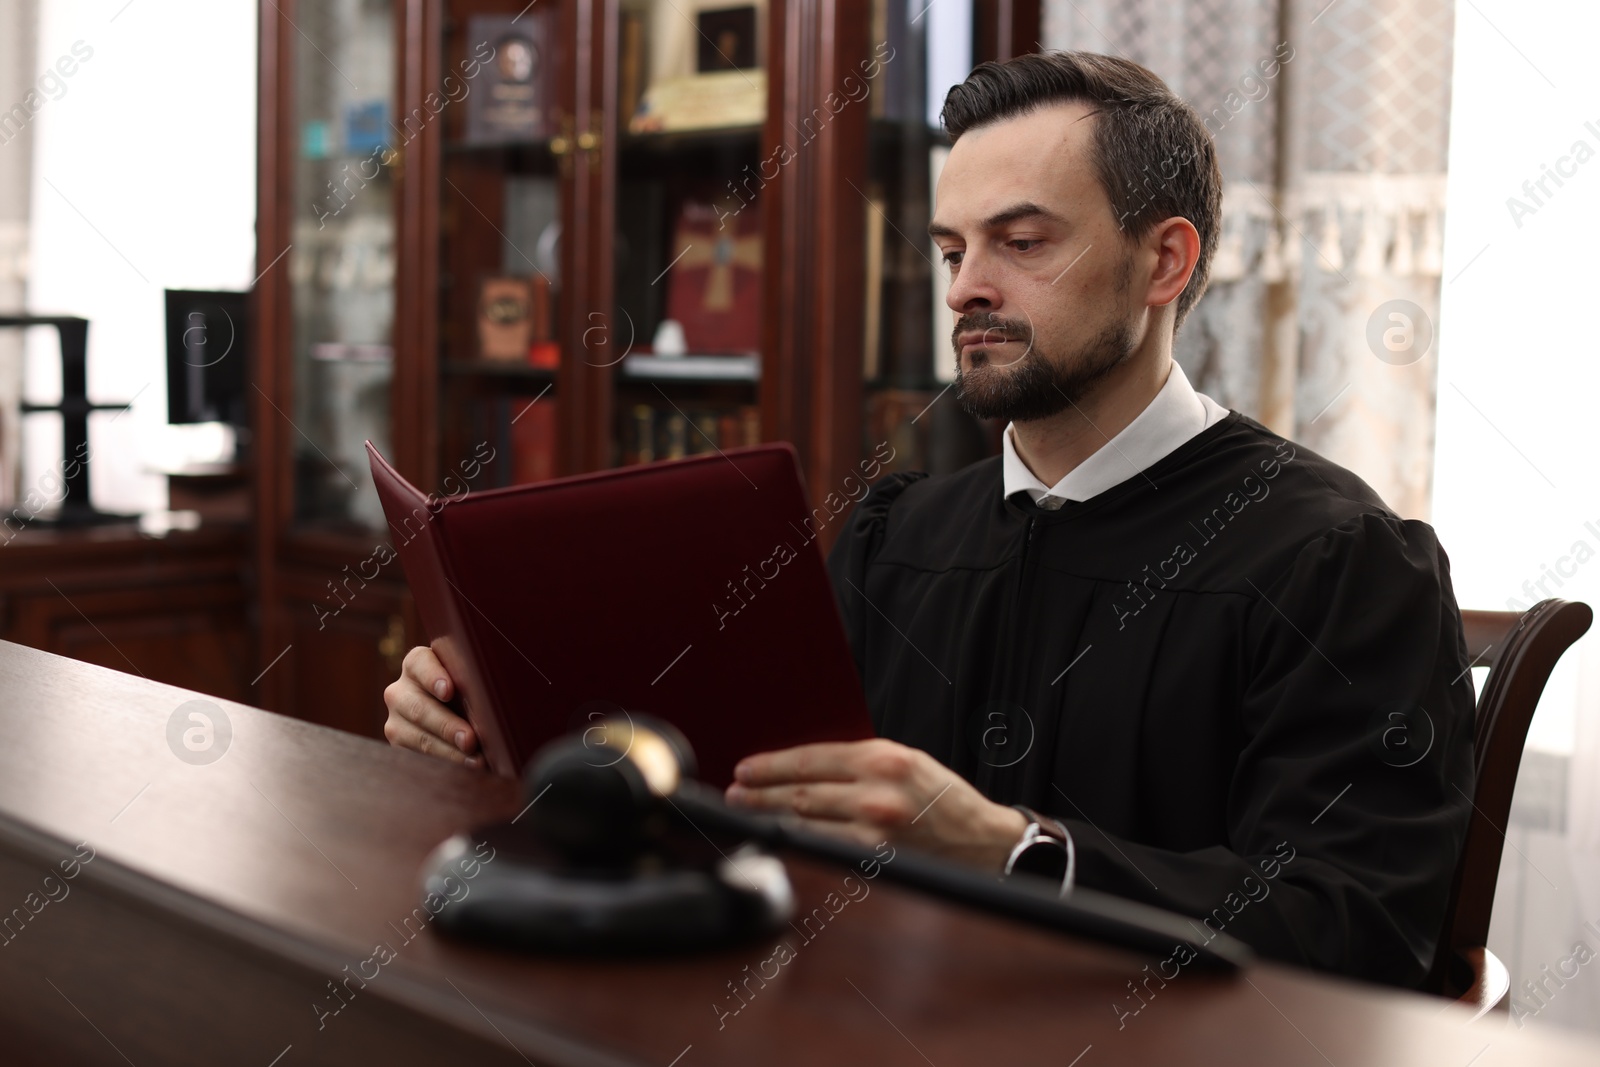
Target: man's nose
column 972, row 289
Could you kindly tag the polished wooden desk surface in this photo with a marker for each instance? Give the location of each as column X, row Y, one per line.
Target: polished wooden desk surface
column 224, row 899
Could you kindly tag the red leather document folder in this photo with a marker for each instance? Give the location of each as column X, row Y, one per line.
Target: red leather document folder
column 693, row 591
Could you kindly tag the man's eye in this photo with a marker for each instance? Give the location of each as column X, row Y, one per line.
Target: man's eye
column 1029, row 241
column 952, row 258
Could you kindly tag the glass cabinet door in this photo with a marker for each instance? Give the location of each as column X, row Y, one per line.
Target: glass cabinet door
column 908, row 364
column 341, row 258
column 691, row 98
column 505, row 157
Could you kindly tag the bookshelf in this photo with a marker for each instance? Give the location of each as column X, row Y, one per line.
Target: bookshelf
column 533, row 240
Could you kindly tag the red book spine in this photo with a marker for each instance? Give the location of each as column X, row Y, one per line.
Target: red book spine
column 533, row 443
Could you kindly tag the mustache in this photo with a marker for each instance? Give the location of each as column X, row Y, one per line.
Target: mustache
column 993, row 326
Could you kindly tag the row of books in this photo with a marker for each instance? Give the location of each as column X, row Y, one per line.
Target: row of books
column 523, row 433
column 651, row 432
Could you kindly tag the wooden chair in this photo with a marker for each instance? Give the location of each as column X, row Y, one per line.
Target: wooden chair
column 1520, row 649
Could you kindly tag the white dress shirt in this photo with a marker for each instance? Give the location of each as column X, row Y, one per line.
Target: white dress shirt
column 1174, row 416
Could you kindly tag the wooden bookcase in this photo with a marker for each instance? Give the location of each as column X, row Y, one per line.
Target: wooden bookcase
column 387, row 215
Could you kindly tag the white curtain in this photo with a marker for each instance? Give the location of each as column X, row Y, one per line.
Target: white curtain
column 18, row 38
column 1331, row 124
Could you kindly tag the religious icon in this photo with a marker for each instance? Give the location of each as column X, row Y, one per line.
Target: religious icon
column 714, row 288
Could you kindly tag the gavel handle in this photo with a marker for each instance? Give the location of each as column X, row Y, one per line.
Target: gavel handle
column 1021, row 898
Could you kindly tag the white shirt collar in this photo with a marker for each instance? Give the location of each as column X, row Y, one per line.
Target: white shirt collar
column 1176, row 414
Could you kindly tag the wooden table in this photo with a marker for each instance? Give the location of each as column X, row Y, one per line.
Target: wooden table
column 224, row 899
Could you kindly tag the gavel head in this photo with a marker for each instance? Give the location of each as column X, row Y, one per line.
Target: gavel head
column 595, row 797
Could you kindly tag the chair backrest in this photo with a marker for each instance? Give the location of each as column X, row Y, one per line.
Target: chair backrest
column 1520, row 649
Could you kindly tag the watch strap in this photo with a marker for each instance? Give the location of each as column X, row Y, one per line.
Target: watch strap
column 1044, row 834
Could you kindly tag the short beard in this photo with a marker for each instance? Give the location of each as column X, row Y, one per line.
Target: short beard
column 1038, row 385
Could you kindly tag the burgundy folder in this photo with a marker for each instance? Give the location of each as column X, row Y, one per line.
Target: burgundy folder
column 693, row 591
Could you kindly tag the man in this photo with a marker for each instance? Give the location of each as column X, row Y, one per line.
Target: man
column 1211, row 668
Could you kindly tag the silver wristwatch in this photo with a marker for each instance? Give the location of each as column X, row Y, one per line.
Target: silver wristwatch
column 1045, row 850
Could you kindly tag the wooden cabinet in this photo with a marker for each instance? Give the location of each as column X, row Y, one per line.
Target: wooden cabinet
column 174, row 609
column 338, row 657
column 761, row 179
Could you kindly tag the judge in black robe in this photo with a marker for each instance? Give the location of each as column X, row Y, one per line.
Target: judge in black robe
column 1236, row 677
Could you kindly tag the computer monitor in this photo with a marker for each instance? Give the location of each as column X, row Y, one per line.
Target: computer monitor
column 208, row 358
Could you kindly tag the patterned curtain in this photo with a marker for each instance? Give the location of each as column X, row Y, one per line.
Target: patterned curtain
column 1331, row 122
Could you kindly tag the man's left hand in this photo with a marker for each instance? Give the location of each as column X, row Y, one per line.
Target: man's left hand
column 877, row 790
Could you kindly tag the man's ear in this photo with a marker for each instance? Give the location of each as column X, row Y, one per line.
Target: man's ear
column 1177, row 246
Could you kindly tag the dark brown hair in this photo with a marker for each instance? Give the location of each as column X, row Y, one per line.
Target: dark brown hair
column 1152, row 154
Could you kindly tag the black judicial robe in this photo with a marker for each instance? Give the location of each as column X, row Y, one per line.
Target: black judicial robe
column 1238, row 678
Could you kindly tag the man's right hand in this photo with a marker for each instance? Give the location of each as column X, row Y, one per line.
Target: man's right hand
column 418, row 718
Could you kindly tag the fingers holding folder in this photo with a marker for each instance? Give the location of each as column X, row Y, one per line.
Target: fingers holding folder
column 418, row 716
